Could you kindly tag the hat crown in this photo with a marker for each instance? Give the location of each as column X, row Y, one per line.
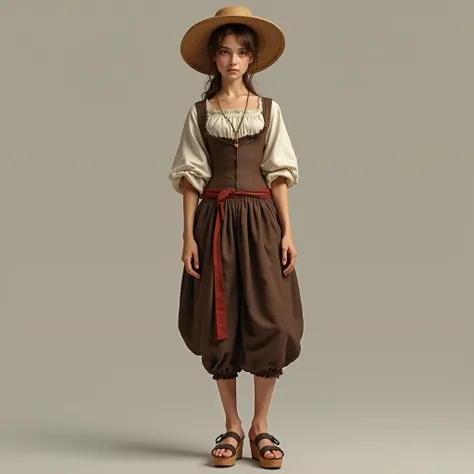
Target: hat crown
column 234, row 11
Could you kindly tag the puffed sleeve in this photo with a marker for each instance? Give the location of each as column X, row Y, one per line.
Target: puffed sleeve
column 279, row 158
column 192, row 158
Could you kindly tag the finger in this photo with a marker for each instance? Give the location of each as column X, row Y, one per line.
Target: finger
column 289, row 269
column 193, row 273
column 292, row 256
column 196, row 260
column 284, row 256
column 291, row 264
column 190, row 269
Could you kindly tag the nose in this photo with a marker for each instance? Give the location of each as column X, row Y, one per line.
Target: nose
column 233, row 61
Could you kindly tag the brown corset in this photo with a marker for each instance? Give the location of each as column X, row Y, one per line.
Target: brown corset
column 237, row 168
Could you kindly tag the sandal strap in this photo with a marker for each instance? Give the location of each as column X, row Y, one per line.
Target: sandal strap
column 261, row 436
column 225, row 446
column 229, row 434
column 270, row 448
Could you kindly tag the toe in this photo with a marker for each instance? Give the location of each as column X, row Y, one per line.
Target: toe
column 269, row 454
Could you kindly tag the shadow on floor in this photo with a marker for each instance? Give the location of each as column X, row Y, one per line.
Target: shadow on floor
column 93, row 442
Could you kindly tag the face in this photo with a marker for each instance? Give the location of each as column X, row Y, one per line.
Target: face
column 232, row 59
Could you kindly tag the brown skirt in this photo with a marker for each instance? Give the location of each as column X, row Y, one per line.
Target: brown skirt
column 264, row 308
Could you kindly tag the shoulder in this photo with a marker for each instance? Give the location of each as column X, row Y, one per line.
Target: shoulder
column 275, row 106
column 195, row 106
column 275, row 109
column 192, row 111
column 199, row 103
column 191, row 117
column 199, row 107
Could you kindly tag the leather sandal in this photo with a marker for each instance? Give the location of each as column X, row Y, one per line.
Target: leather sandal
column 259, row 455
column 228, row 461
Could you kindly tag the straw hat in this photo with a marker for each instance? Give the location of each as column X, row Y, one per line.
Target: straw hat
column 270, row 37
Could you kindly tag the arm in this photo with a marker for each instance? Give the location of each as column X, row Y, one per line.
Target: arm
column 190, row 255
column 192, row 158
column 279, row 190
column 190, row 201
column 280, row 168
column 189, row 174
column 279, row 158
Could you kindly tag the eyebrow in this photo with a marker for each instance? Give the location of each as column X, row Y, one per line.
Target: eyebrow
column 226, row 47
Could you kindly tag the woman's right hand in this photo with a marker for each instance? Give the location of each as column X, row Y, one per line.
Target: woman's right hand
column 190, row 257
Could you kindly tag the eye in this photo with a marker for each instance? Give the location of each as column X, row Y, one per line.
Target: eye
column 244, row 53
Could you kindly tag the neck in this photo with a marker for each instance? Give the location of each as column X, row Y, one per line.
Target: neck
column 233, row 88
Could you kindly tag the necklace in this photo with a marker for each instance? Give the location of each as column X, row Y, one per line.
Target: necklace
column 236, row 132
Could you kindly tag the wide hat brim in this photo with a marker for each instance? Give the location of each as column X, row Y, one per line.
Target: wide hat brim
column 270, row 37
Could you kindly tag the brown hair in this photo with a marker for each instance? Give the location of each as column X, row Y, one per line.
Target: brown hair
column 249, row 41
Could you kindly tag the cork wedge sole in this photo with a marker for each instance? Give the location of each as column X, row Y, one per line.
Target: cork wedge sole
column 228, row 461
column 259, row 454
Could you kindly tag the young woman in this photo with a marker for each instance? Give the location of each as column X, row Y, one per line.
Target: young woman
column 240, row 306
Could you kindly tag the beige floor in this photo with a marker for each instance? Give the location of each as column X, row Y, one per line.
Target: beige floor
column 331, row 447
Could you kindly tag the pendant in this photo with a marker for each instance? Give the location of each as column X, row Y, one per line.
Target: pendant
column 236, row 144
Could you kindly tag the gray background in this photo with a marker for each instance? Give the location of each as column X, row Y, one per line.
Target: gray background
column 378, row 100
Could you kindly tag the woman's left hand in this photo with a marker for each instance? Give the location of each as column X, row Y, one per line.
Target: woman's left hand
column 288, row 254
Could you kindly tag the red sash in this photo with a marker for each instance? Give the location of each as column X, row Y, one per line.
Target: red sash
column 219, row 294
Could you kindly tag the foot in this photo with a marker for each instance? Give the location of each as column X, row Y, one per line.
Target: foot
column 227, row 452
column 262, row 428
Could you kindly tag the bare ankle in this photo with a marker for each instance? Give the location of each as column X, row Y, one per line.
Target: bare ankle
column 233, row 423
column 259, row 426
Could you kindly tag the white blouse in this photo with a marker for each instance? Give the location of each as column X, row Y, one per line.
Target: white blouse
column 192, row 158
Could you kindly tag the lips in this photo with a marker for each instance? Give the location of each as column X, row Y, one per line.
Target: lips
column 233, row 70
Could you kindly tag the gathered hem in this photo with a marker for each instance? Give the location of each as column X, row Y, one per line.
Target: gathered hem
column 233, row 374
column 226, row 374
column 269, row 373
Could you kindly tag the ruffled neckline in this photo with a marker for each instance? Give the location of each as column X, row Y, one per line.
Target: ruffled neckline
column 212, row 111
